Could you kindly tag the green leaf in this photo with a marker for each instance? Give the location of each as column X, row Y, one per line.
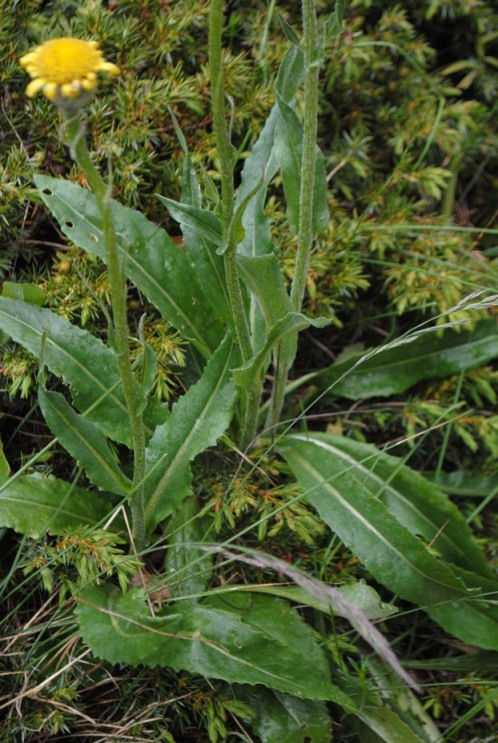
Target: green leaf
column 394, row 556
column 191, row 190
column 281, row 718
column 84, row 362
column 333, row 24
column 476, row 621
column 315, row 593
column 290, row 72
column 33, row 505
column 399, row 365
column 187, row 566
column 418, row 505
column 263, row 277
column 208, row 264
column 361, row 595
column 390, row 552
column 255, row 643
column 480, row 661
column 84, row 441
column 386, row 691
column 378, row 717
column 288, row 30
column 262, row 161
column 389, row 711
column 367, row 599
column 28, row 292
column 467, row 484
column 196, row 422
column 289, row 149
column 158, row 267
column 202, row 232
column 147, row 369
column 203, row 221
column 4, row 464
column 288, row 326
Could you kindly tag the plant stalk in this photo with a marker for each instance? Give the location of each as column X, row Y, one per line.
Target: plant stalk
column 225, row 157
column 305, row 235
column 306, row 201
column 75, row 137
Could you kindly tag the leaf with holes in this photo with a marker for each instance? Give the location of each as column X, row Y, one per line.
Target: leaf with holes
column 158, row 267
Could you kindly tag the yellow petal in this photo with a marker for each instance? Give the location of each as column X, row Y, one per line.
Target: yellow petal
column 89, row 83
column 51, row 91
column 34, row 87
column 111, row 68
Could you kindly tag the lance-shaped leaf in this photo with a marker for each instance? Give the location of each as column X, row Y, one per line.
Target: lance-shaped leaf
column 196, row 422
column 202, row 232
column 288, row 326
column 158, row 267
column 391, row 553
column 84, row 362
column 316, row 593
column 201, row 220
column 259, row 643
column 33, row 505
column 263, row 163
column 263, row 277
column 200, row 249
column 416, row 503
column 289, row 149
column 394, row 368
column 84, row 441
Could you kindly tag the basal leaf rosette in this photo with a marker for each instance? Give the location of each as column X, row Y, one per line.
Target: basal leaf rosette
column 65, row 70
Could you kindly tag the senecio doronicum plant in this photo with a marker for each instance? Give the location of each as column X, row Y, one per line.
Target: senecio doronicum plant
column 226, row 296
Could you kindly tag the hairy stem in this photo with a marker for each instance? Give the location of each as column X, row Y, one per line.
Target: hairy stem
column 79, row 152
column 305, row 235
column 225, row 157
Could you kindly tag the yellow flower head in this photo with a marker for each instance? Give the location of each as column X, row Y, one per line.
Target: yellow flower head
column 65, row 69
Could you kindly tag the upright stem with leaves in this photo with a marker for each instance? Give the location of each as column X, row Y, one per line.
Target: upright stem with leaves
column 75, row 139
column 310, row 106
column 225, row 156
column 305, row 234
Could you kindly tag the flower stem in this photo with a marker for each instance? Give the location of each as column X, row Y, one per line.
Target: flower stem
column 310, row 104
column 225, row 157
column 305, row 235
column 75, row 137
